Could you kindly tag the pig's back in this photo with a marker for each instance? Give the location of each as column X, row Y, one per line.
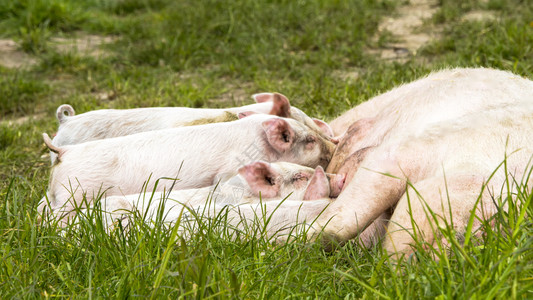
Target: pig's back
column 446, row 95
column 109, row 123
column 128, row 161
column 441, row 94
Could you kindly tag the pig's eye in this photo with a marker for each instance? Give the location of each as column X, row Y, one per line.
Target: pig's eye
column 270, row 180
column 310, row 139
column 285, row 137
column 298, row 177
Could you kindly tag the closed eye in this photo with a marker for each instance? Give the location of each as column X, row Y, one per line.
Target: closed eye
column 298, row 177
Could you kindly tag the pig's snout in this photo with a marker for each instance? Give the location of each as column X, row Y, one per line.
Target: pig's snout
column 336, row 184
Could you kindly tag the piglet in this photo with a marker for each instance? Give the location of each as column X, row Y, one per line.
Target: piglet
column 108, row 123
column 253, row 183
column 191, row 157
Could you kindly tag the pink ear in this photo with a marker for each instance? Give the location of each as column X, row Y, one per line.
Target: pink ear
column 245, row 114
column 263, row 97
column 324, row 127
column 336, row 184
column 318, row 187
column 279, row 134
column 281, row 106
column 261, row 178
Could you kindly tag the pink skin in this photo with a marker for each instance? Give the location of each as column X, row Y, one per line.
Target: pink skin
column 88, row 164
column 282, row 108
column 408, row 110
column 351, row 142
column 448, row 166
column 245, row 114
column 323, row 185
column 324, row 127
column 321, row 124
column 108, row 123
column 261, row 179
column 350, row 152
column 264, row 180
column 318, row 186
column 336, row 184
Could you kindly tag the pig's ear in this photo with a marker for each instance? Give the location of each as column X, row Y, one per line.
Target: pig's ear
column 263, row 97
column 279, row 133
column 324, row 127
column 261, row 178
column 318, row 187
column 245, row 114
column 281, row 106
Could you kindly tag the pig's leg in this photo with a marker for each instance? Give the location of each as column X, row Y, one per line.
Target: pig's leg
column 283, row 216
column 370, row 193
column 376, row 231
column 455, row 197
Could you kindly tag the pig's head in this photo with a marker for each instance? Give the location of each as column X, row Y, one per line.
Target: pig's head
column 282, row 108
column 281, row 179
column 291, row 141
column 276, row 180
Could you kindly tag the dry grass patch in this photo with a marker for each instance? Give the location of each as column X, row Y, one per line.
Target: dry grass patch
column 11, row 56
column 407, row 30
column 84, row 44
column 479, row 15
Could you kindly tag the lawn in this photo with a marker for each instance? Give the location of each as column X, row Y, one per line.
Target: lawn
column 326, row 56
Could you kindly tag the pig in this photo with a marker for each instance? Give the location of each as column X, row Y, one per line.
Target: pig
column 408, row 109
column 413, row 107
column 455, row 161
column 421, row 145
column 107, row 123
column 192, row 155
column 453, row 168
column 441, row 95
column 253, row 183
column 467, row 88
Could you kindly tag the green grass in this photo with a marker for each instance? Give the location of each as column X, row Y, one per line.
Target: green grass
column 216, row 54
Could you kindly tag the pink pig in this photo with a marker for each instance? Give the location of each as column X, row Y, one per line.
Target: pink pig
column 107, row 123
column 252, row 183
column 194, row 155
column 436, row 144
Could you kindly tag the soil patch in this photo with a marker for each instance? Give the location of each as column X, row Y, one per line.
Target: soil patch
column 479, row 15
column 11, row 56
column 406, row 27
column 90, row 45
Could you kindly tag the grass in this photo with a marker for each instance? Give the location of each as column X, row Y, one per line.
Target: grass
column 212, row 53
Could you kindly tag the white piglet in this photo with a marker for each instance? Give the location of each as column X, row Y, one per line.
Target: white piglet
column 252, row 183
column 108, row 123
column 194, row 155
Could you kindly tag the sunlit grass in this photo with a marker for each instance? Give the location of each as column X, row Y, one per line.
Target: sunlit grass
column 216, row 54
